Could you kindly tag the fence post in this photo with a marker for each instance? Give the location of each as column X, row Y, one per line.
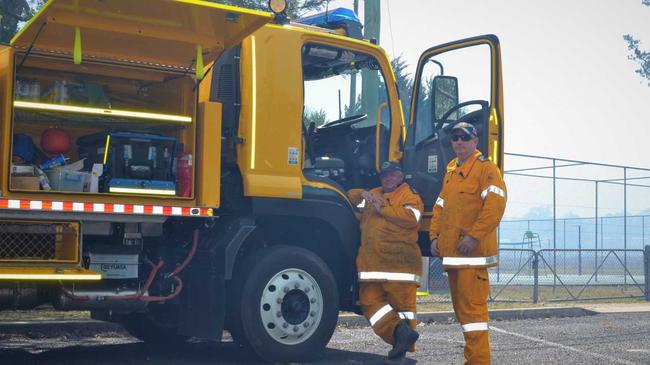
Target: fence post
column 646, row 266
column 579, row 251
column 536, row 276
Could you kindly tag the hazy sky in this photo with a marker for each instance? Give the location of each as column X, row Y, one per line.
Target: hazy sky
column 569, row 89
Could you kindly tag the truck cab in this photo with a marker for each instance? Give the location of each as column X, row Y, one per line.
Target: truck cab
column 219, row 144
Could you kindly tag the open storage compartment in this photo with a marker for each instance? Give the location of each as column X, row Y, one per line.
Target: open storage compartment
column 105, row 95
column 110, row 128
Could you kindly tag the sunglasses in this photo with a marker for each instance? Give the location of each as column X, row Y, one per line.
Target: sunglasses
column 463, row 137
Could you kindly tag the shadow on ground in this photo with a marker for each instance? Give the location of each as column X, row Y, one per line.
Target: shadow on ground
column 190, row 353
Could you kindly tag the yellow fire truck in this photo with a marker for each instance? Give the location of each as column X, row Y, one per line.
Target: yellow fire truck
column 181, row 166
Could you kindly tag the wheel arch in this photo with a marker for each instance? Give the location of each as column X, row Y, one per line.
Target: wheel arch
column 324, row 225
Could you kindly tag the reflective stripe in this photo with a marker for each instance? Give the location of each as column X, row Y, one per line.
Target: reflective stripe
column 106, row 208
column 440, row 202
column 478, row 326
column 391, row 276
column 470, row 261
column 406, row 315
column 492, row 189
column 380, row 314
column 362, row 204
column 415, row 211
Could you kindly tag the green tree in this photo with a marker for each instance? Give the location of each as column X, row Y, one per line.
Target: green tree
column 295, row 8
column 404, row 83
column 318, row 117
column 639, row 55
column 13, row 13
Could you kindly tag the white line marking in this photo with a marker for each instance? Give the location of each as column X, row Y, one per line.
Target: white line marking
column 644, row 351
column 564, row 347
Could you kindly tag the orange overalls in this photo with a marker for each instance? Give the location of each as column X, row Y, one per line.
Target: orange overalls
column 472, row 202
column 389, row 260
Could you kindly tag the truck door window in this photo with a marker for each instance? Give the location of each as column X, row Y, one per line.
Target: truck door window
column 344, row 96
column 471, row 70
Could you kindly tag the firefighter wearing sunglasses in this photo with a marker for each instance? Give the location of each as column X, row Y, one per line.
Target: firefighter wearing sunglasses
column 463, row 232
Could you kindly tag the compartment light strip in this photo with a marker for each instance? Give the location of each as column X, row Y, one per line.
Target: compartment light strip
column 99, row 111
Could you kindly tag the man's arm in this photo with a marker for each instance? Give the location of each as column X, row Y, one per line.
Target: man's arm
column 434, row 227
column 355, row 195
column 493, row 192
column 405, row 213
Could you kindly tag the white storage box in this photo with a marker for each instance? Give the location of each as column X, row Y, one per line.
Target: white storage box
column 65, row 180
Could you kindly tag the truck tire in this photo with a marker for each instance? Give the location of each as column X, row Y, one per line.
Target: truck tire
column 288, row 304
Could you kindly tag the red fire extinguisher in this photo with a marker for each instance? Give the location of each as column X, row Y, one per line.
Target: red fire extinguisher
column 184, row 175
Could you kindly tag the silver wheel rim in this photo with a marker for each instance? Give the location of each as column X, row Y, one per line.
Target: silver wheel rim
column 291, row 307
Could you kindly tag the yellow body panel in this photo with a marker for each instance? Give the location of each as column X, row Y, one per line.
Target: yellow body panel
column 272, row 122
column 152, row 31
column 31, row 273
column 208, row 159
column 6, row 99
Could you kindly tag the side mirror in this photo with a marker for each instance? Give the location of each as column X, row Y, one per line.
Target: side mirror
column 445, row 96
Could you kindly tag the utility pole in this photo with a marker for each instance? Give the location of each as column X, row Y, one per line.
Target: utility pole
column 370, row 78
column 353, row 79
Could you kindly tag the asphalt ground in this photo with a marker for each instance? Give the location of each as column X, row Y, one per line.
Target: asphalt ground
column 607, row 338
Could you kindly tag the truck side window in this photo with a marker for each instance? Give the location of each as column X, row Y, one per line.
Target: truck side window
column 340, row 83
column 471, row 68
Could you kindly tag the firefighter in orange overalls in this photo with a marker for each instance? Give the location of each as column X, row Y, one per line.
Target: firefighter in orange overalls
column 389, row 260
column 463, row 232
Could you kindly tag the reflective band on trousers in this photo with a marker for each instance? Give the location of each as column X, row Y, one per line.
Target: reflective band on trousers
column 440, row 202
column 469, row 261
column 406, row 315
column 415, row 212
column 390, row 276
column 380, row 314
column 478, row 326
column 492, row 189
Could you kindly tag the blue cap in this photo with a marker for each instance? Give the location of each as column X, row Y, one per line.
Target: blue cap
column 390, row 166
column 466, row 128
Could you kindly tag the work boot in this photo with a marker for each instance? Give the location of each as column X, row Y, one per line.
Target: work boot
column 405, row 337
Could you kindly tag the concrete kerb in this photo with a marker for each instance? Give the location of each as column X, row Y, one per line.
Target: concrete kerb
column 353, row 320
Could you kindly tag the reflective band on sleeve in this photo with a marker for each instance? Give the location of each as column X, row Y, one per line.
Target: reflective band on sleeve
column 469, row 261
column 478, row 326
column 380, row 314
column 406, row 315
column 415, row 211
column 390, row 276
column 492, row 189
column 440, row 202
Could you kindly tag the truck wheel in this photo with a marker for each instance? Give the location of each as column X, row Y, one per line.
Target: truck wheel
column 289, row 304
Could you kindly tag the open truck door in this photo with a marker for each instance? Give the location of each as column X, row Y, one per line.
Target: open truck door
column 455, row 82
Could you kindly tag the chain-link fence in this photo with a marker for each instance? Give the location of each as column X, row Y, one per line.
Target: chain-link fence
column 531, row 276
